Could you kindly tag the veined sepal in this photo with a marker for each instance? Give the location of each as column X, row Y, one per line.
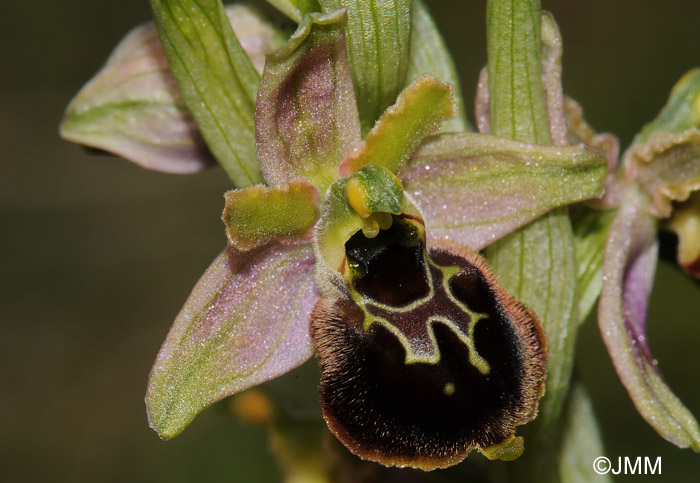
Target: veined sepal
column 631, row 253
column 245, row 322
column 217, row 79
column 306, row 114
column 134, row 108
column 476, row 188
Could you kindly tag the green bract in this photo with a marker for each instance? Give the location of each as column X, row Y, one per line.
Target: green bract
column 134, row 107
column 217, row 78
column 538, row 263
column 378, row 45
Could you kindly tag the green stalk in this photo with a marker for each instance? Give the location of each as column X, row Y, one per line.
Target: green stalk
column 538, row 262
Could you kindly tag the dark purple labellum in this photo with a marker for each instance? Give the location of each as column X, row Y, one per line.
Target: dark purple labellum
column 427, row 357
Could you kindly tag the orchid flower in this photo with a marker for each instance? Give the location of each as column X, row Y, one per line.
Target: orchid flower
column 657, row 187
column 361, row 200
column 335, row 232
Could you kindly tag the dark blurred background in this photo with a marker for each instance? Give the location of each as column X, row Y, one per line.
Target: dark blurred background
column 98, row 255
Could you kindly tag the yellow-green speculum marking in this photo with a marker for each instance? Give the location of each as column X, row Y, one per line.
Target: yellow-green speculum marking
column 372, row 189
column 416, row 352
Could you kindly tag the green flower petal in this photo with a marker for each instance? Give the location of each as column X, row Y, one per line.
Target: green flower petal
column 681, row 112
column 246, row 321
column 256, row 215
column 429, row 55
column 665, row 157
column 295, row 9
column 417, row 113
column 306, row 116
column 378, row 46
column 475, row 188
column 134, row 108
column 667, row 167
column 217, row 79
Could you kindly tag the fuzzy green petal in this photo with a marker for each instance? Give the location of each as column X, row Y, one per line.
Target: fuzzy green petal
column 667, row 167
column 681, row 112
column 256, row 215
column 418, row 112
column 665, row 157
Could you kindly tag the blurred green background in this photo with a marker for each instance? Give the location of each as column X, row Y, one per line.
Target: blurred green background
column 98, row 255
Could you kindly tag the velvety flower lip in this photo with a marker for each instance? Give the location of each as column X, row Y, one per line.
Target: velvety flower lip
column 461, row 395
